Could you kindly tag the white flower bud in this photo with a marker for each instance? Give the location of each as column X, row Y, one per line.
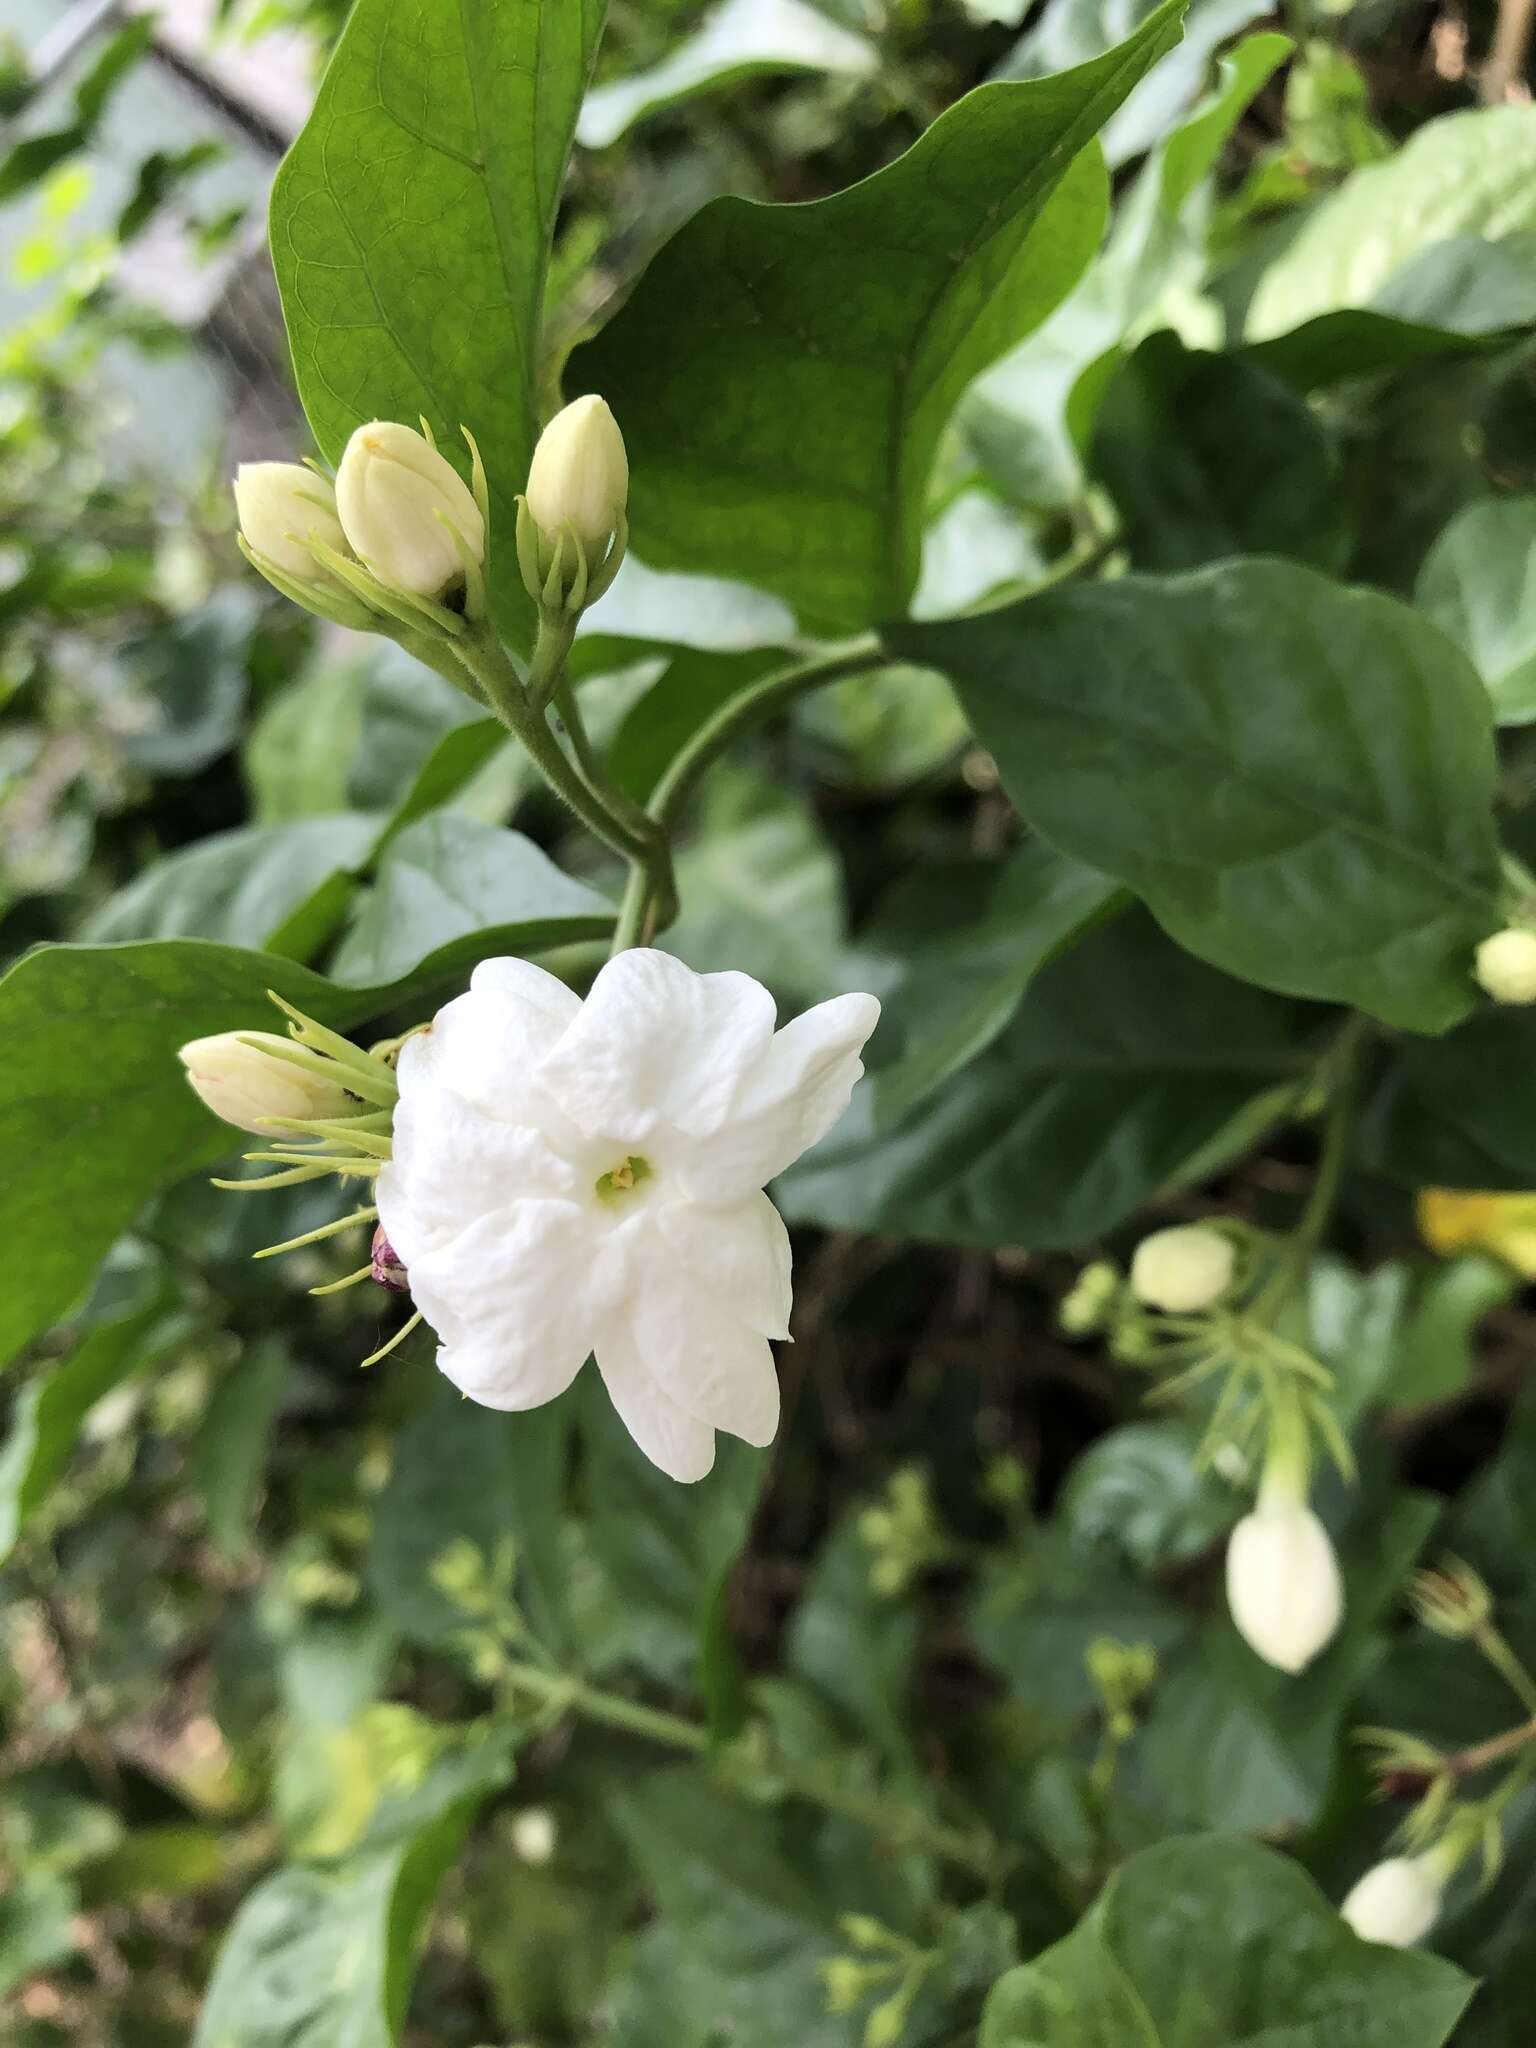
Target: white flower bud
column 279, row 505
column 391, row 487
column 1506, row 965
column 580, row 474
column 1183, row 1269
column 534, row 1834
column 1396, row 1902
column 1283, row 1583
column 242, row 1082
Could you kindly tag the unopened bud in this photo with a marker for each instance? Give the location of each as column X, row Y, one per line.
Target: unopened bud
column 1506, row 965
column 401, row 504
column 279, row 506
column 534, row 1835
column 1453, row 1601
column 580, row 474
column 388, row 1270
column 1182, row 1270
column 1283, row 1584
column 1396, row 1902
column 1084, row 1309
column 247, row 1084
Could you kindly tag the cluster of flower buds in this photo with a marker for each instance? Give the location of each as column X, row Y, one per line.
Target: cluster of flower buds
column 397, row 532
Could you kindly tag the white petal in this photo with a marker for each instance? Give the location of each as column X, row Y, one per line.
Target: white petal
column 487, row 1045
column 710, row 1363
column 540, row 993
column 795, row 1093
column 740, row 1255
column 657, row 1044
column 516, row 1299
column 452, row 1164
column 682, row 1445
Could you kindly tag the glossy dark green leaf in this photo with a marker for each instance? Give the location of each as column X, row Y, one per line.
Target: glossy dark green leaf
column 1214, row 1943
column 1458, row 1093
column 448, row 878
column 321, row 1956
column 1297, row 777
column 783, row 373
column 282, row 888
column 411, row 224
column 1138, row 1490
column 1478, row 583
column 961, row 981
column 1179, row 438
column 1125, row 1060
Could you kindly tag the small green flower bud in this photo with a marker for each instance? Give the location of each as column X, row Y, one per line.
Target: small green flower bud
column 1084, row 1309
column 580, row 475
column 1453, row 1601
column 247, row 1084
column 1506, row 965
column 1183, row 1270
column 401, row 504
column 279, row 505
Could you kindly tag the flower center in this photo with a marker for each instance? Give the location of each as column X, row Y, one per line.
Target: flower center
column 623, row 1179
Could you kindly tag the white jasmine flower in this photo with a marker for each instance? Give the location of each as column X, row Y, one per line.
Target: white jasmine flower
column 1398, row 1901
column 575, row 1177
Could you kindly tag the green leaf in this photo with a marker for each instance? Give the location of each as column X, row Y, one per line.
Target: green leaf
column 1469, row 173
column 1478, row 584
column 47, row 1413
column 282, row 888
column 1296, row 777
column 960, row 987
column 37, row 1926
column 1212, row 1943
column 448, row 878
column 107, row 1117
column 856, row 1648
column 322, row 1956
column 190, row 672
column 1126, row 1059
column 783, row 373
column 464, row 1475
column 1461, row 1087
column 1138, row 1488
column 1437, row 1356
column 230, row 1452
column 667, row 1550
column 739, row 39
column 411, row 225
column 1179, row 438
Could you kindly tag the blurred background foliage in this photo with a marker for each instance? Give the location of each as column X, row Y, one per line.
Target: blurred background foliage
column 251, row 1602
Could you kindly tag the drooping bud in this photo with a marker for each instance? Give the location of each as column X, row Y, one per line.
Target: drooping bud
column 401, row 504
column 279, row 506
column 387, row 1268
column 580, row 474
column 1506, row 965
column 1283, row 1584
column 1396, row 1902
column 245, row 1082
column 1182, row 1270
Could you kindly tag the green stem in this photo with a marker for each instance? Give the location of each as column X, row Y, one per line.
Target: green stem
column 892, row 1822
column 504, row 691
column 1508, row 1666
column 1337, row 1128
column 551, row 651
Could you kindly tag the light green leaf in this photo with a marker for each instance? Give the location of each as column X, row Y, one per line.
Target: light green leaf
column 856, row 1648
column 322, row 1956
column 1297, row 777
column 411, row 224
column 961, row 984
column 230, row 1450
column 1469, row 173
column 282, row 888
column 734, row 41
column 1213, row 1943
column 1126, row 1059
column 1478, row 583
column 447, row 878
column 1180, row 436
column 783, row 373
